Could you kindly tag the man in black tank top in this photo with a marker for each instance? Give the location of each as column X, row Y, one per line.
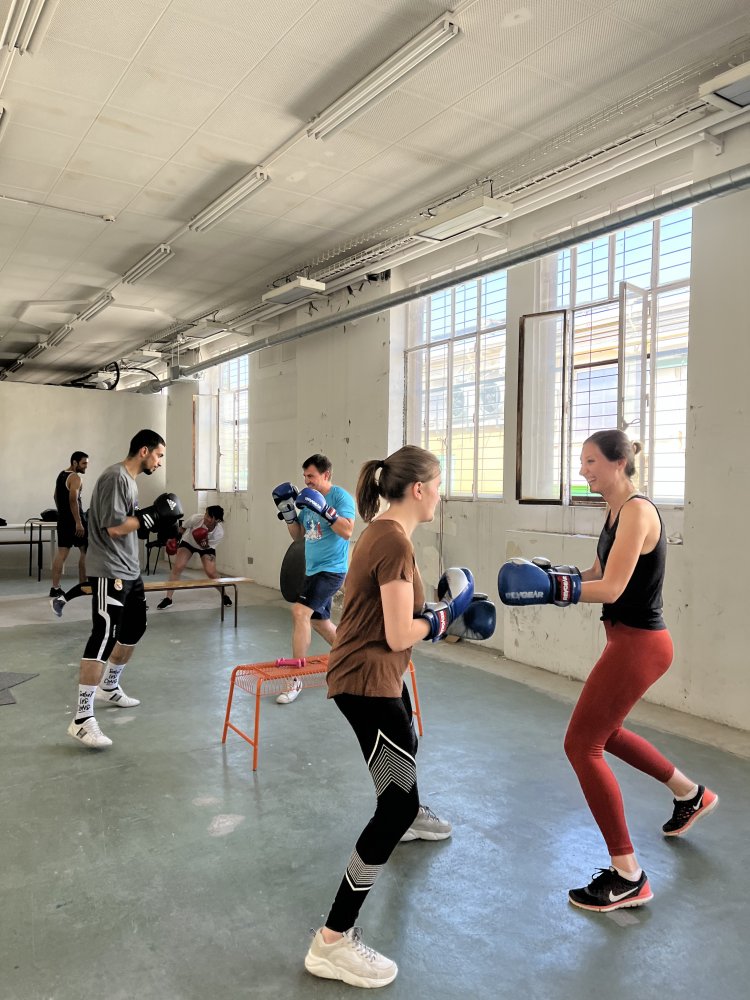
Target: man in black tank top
column 71, row 524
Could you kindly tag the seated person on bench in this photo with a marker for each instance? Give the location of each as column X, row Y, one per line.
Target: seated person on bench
column 200, row 534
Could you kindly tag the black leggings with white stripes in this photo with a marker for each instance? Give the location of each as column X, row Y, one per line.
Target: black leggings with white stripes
column 386, row 735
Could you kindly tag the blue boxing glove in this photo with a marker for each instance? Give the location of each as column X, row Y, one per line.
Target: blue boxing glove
column 284, row 496
column 521, row 582
column 310, row 499
column 477, row 622
column 456, row 588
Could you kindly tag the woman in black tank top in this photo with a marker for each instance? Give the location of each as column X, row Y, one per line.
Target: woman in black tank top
column 627, row 578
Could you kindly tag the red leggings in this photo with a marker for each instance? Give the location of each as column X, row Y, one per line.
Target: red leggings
column 632, row 661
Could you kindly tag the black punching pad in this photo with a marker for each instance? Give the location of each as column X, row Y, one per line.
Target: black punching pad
column 292, row 574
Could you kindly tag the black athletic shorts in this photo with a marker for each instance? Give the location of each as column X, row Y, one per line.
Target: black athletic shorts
column 118, row 613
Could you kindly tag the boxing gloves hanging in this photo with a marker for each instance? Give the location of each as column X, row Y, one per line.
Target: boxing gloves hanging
column 311, row 499
column 166, row 509
column 537, row 581
column 456, row 588
column 284, row 496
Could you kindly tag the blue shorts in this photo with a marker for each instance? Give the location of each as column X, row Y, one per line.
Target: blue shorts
column 318, row 592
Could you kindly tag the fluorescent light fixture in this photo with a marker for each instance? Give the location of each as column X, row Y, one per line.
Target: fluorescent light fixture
column 26, row 24
column 729, row 91
column 36, row 351
column 59, row 335
column 226, row 203
column 148, row 264
column 6, row 58
column 18, row 363
column 463, row 217
column 4, row 119
column 95, row 308
column 393, row 71
column 295, row 291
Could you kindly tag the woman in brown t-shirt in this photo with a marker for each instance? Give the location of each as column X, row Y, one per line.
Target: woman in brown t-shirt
column 379, row 625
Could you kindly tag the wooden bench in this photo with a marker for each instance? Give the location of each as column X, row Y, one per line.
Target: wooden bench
column 220, row 583
column 269, row 678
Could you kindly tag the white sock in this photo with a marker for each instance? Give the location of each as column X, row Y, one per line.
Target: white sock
column 112, row 677
column 629, row 876
column 85, row 701
column 690, row 795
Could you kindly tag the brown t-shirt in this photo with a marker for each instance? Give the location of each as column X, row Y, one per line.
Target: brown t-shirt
column 361, row 661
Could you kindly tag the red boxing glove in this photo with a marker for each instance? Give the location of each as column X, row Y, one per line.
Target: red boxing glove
column 171, row 547
column 200, row 534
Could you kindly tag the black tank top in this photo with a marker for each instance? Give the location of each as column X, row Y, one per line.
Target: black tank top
column 62, row 500
column 640, row 604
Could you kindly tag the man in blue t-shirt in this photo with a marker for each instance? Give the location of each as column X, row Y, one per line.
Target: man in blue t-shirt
column 322, row 514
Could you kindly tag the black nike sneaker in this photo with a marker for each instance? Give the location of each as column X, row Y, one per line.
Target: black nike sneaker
column 610, row 891
column 686, row 813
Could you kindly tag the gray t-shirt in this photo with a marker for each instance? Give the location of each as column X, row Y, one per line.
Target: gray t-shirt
column 115, row 498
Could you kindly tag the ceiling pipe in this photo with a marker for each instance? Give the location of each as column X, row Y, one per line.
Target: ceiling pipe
column 729, row 182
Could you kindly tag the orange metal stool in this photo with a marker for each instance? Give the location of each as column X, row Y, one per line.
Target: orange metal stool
column 263, row 679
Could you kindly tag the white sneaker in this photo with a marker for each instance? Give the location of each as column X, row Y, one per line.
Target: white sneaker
column 428, row 826
column 350, row 960
column 89, row 733
column 115, row 699
column 291, row 693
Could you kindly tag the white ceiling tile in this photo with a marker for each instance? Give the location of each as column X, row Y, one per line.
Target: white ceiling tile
column 137, row 134
column 69, row 69
column 149, row 201
column 306, row 175
column 201, row 49
column 212, row 152
column 33, row 177
column 245, row 223
column 35, row 144
column 317, row 212
column 262, row 124
column 98, row 193
column 395, row 116
column 46, row 109
column 127, row 25
column 150, row 90
column 102, row 161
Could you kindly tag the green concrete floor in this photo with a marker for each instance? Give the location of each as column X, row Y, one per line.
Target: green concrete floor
column 165, row 869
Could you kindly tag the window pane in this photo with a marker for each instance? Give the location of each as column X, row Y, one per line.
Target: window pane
column 633, row 255
column 542, row 410
column 441, row 319
column 670, row 407
column 494, row 298
column 675, row 235
column 466, row 308
column 436, row 437
column 592, row 271
column 461, row 472
column 491, row 415
column 205, row 434
column 594, row 403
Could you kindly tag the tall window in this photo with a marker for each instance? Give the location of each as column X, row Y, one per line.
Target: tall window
column 233, row 424
column 610, row 350
column 455, row 383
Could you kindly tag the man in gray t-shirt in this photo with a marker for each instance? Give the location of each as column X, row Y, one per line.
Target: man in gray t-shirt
column 118, row 601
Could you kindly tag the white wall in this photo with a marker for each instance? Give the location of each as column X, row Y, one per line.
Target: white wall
column 41, row 426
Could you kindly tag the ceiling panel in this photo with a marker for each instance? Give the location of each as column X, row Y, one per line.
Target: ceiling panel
column 70, row 69
column 148, row 110
column 37, row 145
column 128, row 23
column 150, row 90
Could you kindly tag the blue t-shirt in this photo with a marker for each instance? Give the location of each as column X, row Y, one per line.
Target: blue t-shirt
column 325, row 551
